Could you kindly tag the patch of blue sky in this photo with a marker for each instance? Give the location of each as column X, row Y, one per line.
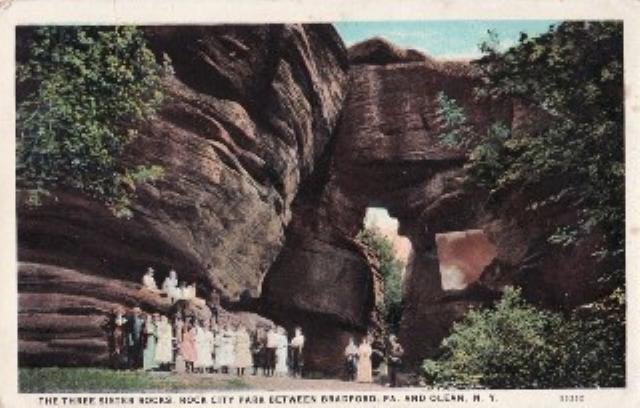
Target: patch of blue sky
column 450, row 39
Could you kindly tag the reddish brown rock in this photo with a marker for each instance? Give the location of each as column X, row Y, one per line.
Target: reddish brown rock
column 385, row 153
column 250, row 110
column 64, row 314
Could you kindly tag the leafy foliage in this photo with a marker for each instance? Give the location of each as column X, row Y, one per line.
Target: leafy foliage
column 515, row 345
column 80, row 91
column 391, row 269
column 570, row 81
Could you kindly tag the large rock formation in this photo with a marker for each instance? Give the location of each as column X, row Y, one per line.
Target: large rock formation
column 386, row 153
column 250, row 110
column 275, row 140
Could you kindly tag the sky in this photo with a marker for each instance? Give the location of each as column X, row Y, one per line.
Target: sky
column 388, row 226
column 457, row 39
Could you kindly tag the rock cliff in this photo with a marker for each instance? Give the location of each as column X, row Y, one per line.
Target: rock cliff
column 275, row 140
column 250, row 110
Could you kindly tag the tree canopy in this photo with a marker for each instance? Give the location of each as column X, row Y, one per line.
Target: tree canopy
column 570, row 81
column 80, row 92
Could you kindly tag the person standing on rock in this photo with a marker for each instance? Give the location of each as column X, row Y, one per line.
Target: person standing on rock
column 151, row 340
column 272, row 345
column 149, row 282
column 282, row 352
column 351, row 359
column 364, row 372
column 297, row 345
column 170, row 286
column 135, row 327
column 164, row 348
column 395, row 354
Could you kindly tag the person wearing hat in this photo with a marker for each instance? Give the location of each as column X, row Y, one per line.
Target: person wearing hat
column 135, row 327
column 148, row 281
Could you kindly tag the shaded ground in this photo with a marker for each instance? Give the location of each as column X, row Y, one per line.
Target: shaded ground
column 53, row 379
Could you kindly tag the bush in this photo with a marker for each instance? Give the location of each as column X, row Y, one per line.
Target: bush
column 80, row 92
column 515, row 345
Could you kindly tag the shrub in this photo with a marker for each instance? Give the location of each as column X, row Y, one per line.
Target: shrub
column 80, row 92
column 515, row 345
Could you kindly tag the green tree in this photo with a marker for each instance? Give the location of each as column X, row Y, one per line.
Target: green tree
column 515, row 345
column 570, row 80
column 80, row 93
column 391, row 270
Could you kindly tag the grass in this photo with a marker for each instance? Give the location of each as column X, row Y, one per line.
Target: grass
column 54, row 379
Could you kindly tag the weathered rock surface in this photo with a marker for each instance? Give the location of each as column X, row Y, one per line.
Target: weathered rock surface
column 380, row 51
column 63, row 314
column 385, row 153
column 250, row 110
column 273, row 148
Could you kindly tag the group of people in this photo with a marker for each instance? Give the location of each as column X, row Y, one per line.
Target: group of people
column 152, row 341
column 170, row 286
column 186, row 344
column 358, row 360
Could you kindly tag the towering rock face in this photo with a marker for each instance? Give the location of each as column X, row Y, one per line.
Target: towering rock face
column 274, row 142
column 250, row 110
column 385, row 153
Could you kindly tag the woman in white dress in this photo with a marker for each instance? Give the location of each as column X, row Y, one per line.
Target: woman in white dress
column 282, row 350
column 243, row 359
column 170, row 286
column 227, row 341
column 164, row 348
column 203, row 349
column 149, row 282
column 364, row 372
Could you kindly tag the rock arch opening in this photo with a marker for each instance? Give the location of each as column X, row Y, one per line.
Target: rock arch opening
column 462, row 257
column 389, row 227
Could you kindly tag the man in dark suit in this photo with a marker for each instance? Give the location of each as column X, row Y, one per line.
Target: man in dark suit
column 135, row 328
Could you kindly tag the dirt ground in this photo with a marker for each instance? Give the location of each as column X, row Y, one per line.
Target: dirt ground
column 259, row 382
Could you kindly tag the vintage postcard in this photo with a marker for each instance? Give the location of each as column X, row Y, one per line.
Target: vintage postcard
column 297, row 204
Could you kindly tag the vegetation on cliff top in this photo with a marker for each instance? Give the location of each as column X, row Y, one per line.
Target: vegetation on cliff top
column 80, row 92
column 568, row 82
column 571, row 153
